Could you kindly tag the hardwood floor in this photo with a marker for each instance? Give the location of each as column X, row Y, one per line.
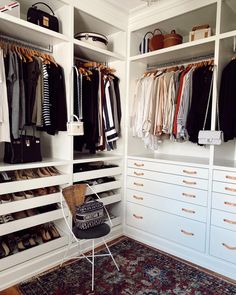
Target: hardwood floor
column 10, row 291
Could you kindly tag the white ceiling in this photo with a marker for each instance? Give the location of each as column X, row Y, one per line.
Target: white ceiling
column 127, row 5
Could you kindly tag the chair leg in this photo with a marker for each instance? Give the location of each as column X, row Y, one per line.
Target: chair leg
column 92, row 265
column 111, row 255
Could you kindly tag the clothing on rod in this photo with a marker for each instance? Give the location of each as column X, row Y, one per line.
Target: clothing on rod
column 171, row 104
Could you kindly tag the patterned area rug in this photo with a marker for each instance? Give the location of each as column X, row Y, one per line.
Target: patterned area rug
column 143, row 271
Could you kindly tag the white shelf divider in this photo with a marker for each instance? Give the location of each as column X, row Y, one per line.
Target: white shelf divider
column 87, row 158
column 111, row 199
column 91, row 52
column 80, row 176
column 104, row 187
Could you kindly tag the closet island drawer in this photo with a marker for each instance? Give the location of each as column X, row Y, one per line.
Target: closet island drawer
column 224, row 187
column 171, row 206
column 223, row 219
column 224, row 176
column 224, row 202
column 176, row 192
column 223, row 244
column 169, row 168
column 169, row 178
column 181, row 230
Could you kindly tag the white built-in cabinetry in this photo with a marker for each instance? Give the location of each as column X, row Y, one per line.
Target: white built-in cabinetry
column 57, row 151
column 182, row 198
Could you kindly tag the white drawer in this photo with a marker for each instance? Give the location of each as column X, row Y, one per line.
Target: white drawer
column 224, row 187
column 223, row 244
column 169, row 178
column 172, row 191
column 171, row 206
column 169, row 168
column 181, row 230
column 224, row 202
column 224, row 176
column 223, row 219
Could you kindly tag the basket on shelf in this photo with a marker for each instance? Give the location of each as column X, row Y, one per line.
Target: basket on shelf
column 74, row 195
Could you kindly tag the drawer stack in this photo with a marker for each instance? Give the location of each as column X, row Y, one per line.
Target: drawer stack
column 223, row 216
column 169, row 201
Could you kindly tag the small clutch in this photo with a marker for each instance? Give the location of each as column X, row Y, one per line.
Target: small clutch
column 75, row 127
column 210, row 137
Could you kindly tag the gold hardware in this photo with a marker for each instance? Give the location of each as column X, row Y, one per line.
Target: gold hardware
column 230, row 189
column 138, row 165
column 189, row 182
column 188, row 195
column 229, row 247
column 229, row 221
column 46, row 21
column 138, row 198
column 230, row 177
column 138, row 184
column 189, row 172
column 230, row 204
column 187, row 233
column 137, row 217
column 188, row 211
column 138, row 174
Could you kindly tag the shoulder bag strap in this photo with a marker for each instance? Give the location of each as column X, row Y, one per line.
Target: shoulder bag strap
column 34, row 5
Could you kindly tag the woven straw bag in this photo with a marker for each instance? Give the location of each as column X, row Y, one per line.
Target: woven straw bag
column 74, row 195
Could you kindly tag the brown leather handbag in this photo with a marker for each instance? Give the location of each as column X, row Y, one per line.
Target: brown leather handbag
column 156, row 42
column 172, row 39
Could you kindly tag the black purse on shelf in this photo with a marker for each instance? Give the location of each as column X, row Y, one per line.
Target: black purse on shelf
column 25, row 149
column 42, row 18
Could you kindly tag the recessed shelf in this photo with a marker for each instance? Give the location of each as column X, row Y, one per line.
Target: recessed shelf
column 173, row 159
column 222, row 164
column 80, row 176
column 228, row 35
column 26, row 31
column 90, row 52
column 111, row 199
column 107, row 186
column 183, row 51
column 46, row 162
column 87, row 158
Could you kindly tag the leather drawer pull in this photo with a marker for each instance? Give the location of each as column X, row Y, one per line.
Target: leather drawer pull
column 189, row 172
column 138, row 184
column 188, row 211
column 189, row 182
column 230, row 189
column 229, row 247
column 188, row 195
column 230, row 177
column 138, row 174
column 230, row 221
column 137, row 217
column 187, row 233
column 138, row 165
column 230, row 204
column 138, row 198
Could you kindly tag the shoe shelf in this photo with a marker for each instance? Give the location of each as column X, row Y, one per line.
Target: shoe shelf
column 16, row 206
column 80, row 176
column 24, row 256
column 98, row 188
column 111, row 199
column 46, row 162
column 24, row 185
column 115, row 221
column 24, row 223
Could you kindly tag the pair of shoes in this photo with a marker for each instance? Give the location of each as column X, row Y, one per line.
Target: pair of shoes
column 4, row 249
column 25, row 213
column 26, row 241
column 25, row 174
column 18, row 196
column 6, row 218
column 46, row 190
column 6, row 198
column 4, row 177
column 49, row 232
column 47, row 171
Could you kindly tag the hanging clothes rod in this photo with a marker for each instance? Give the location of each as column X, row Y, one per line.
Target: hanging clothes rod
column 181, row 62
column 49, row 49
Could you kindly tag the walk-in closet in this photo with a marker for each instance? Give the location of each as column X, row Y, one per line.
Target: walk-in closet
column 139, row 102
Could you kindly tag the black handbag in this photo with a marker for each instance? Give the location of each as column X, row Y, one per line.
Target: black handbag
column 42, row 18
column 25, row 149
column 89, row 214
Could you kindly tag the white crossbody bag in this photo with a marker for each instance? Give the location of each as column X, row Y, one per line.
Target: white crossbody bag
column 214, row 137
